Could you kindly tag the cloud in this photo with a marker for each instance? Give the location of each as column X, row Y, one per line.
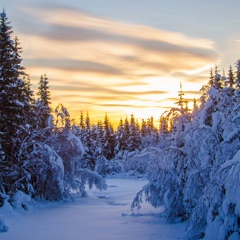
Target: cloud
column 75, row 65
column 97, row 61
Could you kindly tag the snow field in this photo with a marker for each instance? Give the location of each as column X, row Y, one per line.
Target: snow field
column 101, row 216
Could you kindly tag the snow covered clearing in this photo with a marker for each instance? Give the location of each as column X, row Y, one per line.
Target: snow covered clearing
column 103, row 215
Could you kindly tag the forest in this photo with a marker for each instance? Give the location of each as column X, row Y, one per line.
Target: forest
column 191, row 159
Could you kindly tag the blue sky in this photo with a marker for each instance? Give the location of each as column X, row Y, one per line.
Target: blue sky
column 123, row 57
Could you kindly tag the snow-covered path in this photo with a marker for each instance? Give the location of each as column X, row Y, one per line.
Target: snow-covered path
column 103, row 215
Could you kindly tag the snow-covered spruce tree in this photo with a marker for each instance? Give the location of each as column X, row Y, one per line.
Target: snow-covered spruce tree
column 99, row 142
column 14, row 106
column 205, row 88
column 43, row 166
column 128, row 138
column 23, row 165
column 237, row 79
column 217, row 83
column 217, row 213
column 216, row 216
column 119, row 148
column 42, row 106
column 66, row 145
column 230, row 78
column 167, row 174
column 89, row 137
column 164, row 133
column 200, row 144
column 126, row 132
column 148, row 133
column 134, row 141
column 70, row 149
column 109, row 139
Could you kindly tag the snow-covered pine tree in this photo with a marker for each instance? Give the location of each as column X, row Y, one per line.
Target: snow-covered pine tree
column 182, row 103
column 231, row 78
column 81, row 122
column 153, row 130
column 163, row 129
column 217, row 83
column 119, row 148
column 89, row 139
column 98, row 138
column 109, row 139
column 143, row 128
column 196, row 176
column 14, row 106
column 42, row 105
column 205, row 88
column 134, row 141
column 237, row 80
column 68, row 147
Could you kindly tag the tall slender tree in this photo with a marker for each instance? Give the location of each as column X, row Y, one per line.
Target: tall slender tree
column 14, row 104
column 237, row 80
column 182, row 103
column 43, row 103
column 81, row 123
column 109, row 139
column 217, row 83
column 134, row 140
column 230, row 78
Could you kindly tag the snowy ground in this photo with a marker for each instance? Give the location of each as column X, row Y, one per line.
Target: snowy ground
column 103, row 215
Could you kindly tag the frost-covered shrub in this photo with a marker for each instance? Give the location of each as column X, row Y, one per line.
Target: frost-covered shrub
column 42, row 172
column 87, row 176
column 70, row 149
column 114, row 166
column 54, row 185
column 3, row 226
column 46, row 172
column 185, row 178
column 105, row 167
column 217, row 216
column 2, row 197
column 20, row 200
column 140, row 162
column 101, row 165
column 166, row 181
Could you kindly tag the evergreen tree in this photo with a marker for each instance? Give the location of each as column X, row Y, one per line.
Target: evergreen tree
column 195, row 107
column 109, row 139
column 144, row 128
column 237, row 80
column 134, row 140
column 43, row 109
column 14, row 105
column 182, row 103
column 163, row 128
column 81, row 123
column 88, row 138
column 205, row 88
column 217, row 79
column 62, row 118
column 100, row 140
column 195, row 177
column 211, row 79
column 119, row 140
column 229, row 83
column 28, row 91
column 231, row 78
column 126, row 134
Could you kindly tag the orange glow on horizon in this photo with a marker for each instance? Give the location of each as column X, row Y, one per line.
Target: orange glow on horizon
column 100, row 65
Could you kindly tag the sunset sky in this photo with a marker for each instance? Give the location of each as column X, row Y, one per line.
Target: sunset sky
column 123, row 57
